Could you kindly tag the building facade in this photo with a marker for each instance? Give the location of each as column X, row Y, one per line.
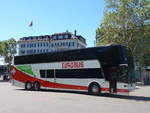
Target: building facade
column 50, row 43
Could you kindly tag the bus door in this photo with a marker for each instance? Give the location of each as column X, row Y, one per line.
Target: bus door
column 113, row 81
column 110, row 76
column 113, row 86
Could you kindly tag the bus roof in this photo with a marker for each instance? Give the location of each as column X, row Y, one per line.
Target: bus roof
column 71, row 50
column 69, row 55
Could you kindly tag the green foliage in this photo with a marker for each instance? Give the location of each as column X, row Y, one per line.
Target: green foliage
column 8, row 49
column 1, row 48
column 126, row 22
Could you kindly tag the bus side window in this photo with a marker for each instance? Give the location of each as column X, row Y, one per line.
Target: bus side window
column 50, row 73
column 42, row 74
column 79, row 73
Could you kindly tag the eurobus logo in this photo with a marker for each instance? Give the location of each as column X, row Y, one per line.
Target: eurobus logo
column 75, row 64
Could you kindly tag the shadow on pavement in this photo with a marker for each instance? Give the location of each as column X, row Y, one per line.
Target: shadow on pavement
column 130, row 97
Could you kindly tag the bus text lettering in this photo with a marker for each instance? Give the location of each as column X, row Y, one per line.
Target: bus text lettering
column 72, row 65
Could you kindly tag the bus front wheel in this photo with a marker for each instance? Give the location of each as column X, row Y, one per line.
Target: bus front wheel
column 28, row 85
column 36, row 86
column 94, row 89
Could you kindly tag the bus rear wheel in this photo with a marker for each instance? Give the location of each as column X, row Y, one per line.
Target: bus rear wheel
column 36, row 86
column 94, row 89
column 28, row 85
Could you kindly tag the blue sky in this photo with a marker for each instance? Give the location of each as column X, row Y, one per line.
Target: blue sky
column 50, row 16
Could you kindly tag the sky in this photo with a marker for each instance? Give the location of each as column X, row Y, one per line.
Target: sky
column 49, row 17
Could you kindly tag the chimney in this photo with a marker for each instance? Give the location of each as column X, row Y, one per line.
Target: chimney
column 75, row 32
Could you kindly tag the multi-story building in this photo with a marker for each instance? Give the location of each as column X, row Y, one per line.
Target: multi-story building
column 50, row 43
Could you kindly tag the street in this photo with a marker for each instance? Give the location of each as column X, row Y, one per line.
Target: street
column 17, row 100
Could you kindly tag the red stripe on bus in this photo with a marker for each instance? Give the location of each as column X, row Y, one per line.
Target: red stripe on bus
column 104, row 89
column 118, row 90
column 22, row 77
column 122, row 90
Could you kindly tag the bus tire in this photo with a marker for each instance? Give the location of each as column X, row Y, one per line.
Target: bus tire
column 36, row 86
column 28, row 85
column 94, row 88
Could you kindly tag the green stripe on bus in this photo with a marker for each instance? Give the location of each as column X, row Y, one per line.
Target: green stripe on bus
column 27, row 69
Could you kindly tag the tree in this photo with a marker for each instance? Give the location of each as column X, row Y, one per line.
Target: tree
column 1, row 47
column 125, row 23
column 9, row 50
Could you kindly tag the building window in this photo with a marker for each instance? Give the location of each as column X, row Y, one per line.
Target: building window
column 22, row 51
column 66, row 36
column 69, row 44
column 72, row 43
column 64, row 44
column 44, row 44
column 30, row 45
column 52, row 45
column 60, row 43
column 27, row 45
column 57, row 44
column 31, row 51
column 47, row 44
column 27, row 51
column 22, row 45
column 41, row 51
column 54, row 37
column 34, row 50
column 60, row 37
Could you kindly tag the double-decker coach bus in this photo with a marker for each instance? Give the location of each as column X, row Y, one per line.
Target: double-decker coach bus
column 105, row 69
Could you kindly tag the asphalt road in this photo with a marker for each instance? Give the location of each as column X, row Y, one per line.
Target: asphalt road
column 17, row 100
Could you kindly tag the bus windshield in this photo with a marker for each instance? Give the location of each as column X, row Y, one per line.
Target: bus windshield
column 126, row 68
column 117, row 64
